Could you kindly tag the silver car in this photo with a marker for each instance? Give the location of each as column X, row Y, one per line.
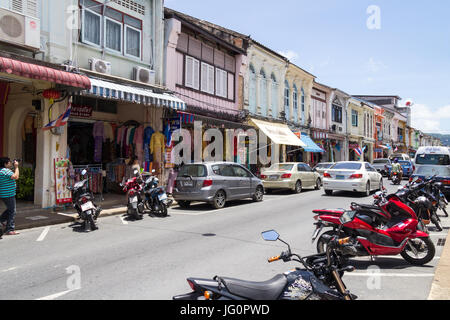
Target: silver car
column 216, row 183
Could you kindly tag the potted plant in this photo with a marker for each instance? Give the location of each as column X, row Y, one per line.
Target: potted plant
column 25, row 185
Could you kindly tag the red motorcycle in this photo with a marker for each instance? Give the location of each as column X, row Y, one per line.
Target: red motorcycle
column 135, row 199
column 387, row 228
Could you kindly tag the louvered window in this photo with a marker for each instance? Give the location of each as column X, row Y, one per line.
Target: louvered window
column 192, row 73
column 25, row 7
column 221, row 83
column 207, row 78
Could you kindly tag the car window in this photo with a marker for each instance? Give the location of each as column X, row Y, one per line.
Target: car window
column 347, row 166
column 227, row 171
column 429, row 171
column 433, row 159
column 240, row 172
column 368, row 168
column 281, row 167
column 307, row 168
column 193, row 170
column 380, row 161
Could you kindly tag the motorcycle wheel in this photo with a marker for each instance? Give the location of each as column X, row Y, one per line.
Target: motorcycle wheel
column 163, row 210
column 322, row 241
column 426, row 244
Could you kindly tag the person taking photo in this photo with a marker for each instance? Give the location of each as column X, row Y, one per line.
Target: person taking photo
column 8, row 180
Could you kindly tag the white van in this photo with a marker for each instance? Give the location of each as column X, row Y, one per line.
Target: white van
column 432, row 156
column 399, row 156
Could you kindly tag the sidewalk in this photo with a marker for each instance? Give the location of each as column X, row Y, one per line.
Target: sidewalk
column 440, row 289
column 30, row 216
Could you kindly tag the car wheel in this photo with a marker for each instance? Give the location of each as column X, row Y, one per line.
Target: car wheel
column 329, row 192
column 184, row 204
column 259, row 194
column 367, row 192
column 318, row 184
column 381, row 185
column 219, row 200
column 298, row 187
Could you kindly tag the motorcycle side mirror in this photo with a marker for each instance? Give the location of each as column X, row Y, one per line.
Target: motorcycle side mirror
column 271, row 235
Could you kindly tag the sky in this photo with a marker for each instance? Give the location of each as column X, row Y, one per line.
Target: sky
column 376, row 47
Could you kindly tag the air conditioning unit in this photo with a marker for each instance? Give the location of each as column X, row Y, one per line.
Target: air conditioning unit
column 144, row 75
column 100, row 66
column 340, row 129
column 19, row 29
column 333, row 128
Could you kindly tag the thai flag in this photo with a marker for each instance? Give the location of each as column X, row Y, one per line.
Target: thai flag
column 61, row 121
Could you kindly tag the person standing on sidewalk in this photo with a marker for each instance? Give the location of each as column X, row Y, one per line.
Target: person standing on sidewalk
column 8, row 180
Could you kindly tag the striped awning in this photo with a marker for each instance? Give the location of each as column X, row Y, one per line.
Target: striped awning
column 114, row 91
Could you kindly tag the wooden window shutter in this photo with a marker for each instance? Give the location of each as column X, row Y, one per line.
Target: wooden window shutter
column 230, row 63
column 211, row 79
column 182, row 44
column 231, row 86
column 219, row 59
column 207, row 54
column 204, row 82
column 196, row 72
column 195, row 48
column 189, row 72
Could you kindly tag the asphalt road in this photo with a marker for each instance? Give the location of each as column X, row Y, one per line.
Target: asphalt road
column 151, row 259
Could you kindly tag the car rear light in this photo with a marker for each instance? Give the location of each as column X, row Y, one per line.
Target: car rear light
column 286, row 176
column 84, row 200
column 263, row 176
column 207, row 183
column 446, row 182
column 356, row 176
column 326, row 175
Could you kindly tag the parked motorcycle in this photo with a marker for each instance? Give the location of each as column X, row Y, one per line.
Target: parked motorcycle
column 390, row 227
column 135, row 198
column 83, row 202
column 156, row 199
column 320, row 279
column 422, row 199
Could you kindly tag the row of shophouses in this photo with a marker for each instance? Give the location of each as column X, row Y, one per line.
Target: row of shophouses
column 133, row 64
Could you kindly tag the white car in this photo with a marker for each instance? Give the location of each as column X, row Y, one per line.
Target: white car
column 352, row 176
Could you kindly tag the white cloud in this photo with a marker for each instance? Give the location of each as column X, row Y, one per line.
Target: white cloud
column 375, row 66
column 430, row 120
column 291, row 55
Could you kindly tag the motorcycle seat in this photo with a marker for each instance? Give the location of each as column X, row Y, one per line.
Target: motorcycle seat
column 268, row 290
column 370, row 211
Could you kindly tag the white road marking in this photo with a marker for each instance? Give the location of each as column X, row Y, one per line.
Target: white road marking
column 43, row 234
column 123, row 220
column 401, row 275
column 55, row 296
column 10, row 269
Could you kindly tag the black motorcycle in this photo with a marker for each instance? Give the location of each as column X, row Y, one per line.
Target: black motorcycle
column 156, row 199
column 423, row 200
column 321, row 278
column 83, row 202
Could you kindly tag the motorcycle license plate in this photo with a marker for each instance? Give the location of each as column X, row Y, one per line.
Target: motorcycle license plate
column 162, row 197
column 87, row 206
column 134, row 200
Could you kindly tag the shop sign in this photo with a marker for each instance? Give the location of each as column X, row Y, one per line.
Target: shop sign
column 81, row 111
column 353, row 145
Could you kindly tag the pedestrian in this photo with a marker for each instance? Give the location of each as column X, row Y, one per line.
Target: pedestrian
column 8, row 180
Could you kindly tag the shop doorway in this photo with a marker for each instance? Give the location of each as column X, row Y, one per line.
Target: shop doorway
column 80, row 142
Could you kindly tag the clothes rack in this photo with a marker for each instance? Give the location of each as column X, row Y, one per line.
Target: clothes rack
column 95, row 177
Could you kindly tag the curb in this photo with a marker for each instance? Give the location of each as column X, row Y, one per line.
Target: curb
column 440, row 289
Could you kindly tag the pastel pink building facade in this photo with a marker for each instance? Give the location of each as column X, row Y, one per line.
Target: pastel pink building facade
column 202, row 69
